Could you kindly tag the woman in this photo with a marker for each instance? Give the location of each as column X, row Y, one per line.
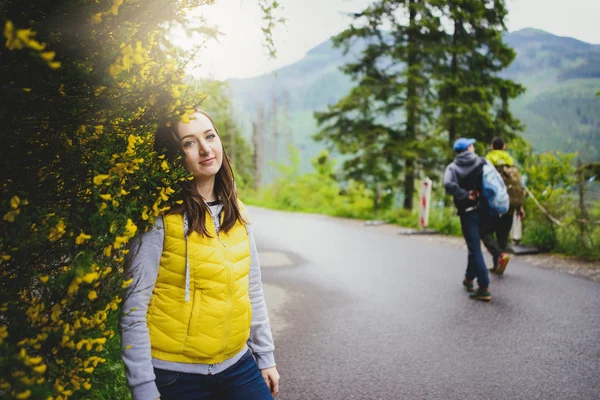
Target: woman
column 195, row 323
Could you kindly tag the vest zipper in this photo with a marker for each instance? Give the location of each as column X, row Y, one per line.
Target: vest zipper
column 229, row 300
column 210, row 366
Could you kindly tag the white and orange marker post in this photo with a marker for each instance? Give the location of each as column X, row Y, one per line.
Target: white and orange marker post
column 425, row 203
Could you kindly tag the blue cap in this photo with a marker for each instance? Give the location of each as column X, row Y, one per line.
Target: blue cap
column 461, row 144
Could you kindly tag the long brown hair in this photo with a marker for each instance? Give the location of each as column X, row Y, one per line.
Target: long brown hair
column 166, row 141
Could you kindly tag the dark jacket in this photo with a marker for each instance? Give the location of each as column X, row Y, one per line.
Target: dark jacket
column 462, row 175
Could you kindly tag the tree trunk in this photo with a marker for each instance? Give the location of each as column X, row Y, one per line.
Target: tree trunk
column 409, row 184
column 256, row 143
column 275, row 131
column 411, row 108
column 452, row 135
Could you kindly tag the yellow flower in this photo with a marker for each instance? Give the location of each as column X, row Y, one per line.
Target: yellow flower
column 127, row 283
column 54, row 64
column 82, row 238
column 106, row 196
column 90, row 277
column 48, row 55
column 3, row 333
column 40, row 369
column 44, row 278
column 130, row 227
column 73, row 286
column 89, row 370
column 92, row 295
column 23, row 395
column 8, row 29
column 120, row 240
column 34, row 44
column 96, row 19
column 165, row 166
column 98, row 179
column 86, row 385
column 10, row 216
column 27, row 90
column 114, row 69
column 35, row 360
column 24, row 34
column 57, row 232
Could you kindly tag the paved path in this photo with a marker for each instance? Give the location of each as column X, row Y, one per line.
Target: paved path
column 364, row 313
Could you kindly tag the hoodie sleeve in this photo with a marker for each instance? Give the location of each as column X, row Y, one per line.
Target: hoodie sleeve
column 261, row 339
column 145, row 252
column 451, row 184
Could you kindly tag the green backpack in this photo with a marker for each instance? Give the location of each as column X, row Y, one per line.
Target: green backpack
column 514, row 187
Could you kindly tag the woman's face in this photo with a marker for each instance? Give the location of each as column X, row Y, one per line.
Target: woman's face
column 202, row 147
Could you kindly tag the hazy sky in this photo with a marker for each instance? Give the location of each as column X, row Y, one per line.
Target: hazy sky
column 239, row 52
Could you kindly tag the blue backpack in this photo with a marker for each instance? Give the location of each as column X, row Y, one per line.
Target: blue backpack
column 494, row 193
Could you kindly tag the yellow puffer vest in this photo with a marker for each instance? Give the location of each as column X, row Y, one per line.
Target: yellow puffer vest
column 215, row 324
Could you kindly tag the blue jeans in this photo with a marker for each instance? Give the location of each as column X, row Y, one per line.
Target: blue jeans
column 476, row 268
column 242, row 381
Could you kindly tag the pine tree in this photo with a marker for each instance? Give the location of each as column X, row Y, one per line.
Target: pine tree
column 473, row 99
column 381, row 123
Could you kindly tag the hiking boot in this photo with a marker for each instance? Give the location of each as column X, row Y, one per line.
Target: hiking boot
column 481, row 294
column 468, row 285
column 502, row 263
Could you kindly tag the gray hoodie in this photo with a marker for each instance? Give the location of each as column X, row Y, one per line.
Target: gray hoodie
column 135, row 338
column 461, row 176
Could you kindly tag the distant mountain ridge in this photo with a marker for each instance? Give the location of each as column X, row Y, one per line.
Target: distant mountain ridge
column 559, row 109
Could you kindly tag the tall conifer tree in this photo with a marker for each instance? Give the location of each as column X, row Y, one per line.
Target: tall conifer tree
column 381, row 123
column 473, row 99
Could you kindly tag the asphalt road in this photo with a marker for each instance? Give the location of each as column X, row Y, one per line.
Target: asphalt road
column 364, row 313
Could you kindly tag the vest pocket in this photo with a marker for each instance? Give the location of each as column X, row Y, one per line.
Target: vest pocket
column 193, row 324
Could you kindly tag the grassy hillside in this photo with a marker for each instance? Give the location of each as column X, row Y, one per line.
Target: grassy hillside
column 559, row 109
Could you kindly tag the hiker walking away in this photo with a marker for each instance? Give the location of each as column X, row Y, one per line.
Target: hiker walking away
column 496, row 229
column 463, row 180
column 194, row 323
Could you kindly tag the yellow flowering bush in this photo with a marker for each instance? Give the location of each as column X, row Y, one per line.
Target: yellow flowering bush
column 84, row 86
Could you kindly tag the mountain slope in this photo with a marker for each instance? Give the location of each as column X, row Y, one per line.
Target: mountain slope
column 559, row 109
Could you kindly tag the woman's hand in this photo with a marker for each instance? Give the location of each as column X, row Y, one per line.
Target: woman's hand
column 271, row 377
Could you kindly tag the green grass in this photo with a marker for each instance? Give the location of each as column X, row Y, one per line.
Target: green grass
column 108, row 381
